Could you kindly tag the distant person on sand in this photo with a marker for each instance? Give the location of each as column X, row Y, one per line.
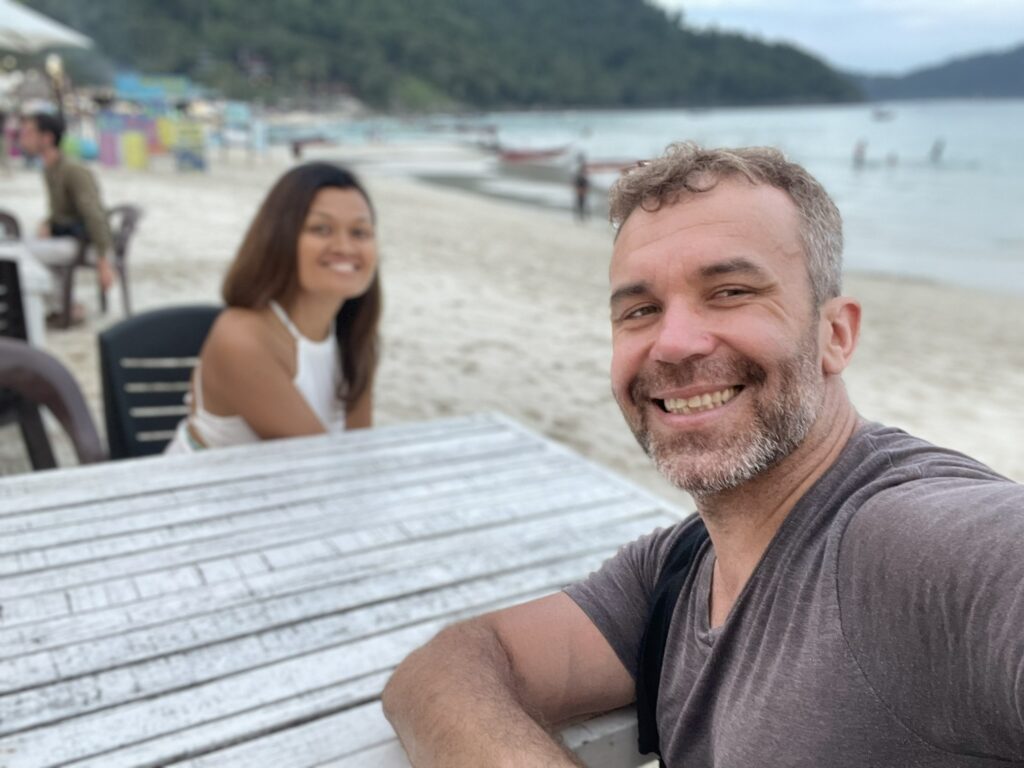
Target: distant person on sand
column 847, row 595
column 76, row 208
column 581, row 186
column 935, row 153
column 295, row 352
column 860, row 154
column 5, row 165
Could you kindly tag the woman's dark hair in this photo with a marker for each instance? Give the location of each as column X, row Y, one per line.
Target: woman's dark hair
column 266, row 268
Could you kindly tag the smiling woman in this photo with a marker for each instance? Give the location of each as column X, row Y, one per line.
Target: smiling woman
column 296, row 350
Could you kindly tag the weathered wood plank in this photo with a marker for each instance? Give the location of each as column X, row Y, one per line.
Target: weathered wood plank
column 361, row 737
column 354, row 731
column 20, row 491
column 234, row 590
column 333, row 597
column 244, row 607
column 166, row 522
column 607, row 741
column 184, row 654
column 181, row 710
column 63, row 487
column 166, row 519
column 198, row 481
column 303, row 745
column 370, row 548
column 387, row 754
column 41, row 580
column 288, row 718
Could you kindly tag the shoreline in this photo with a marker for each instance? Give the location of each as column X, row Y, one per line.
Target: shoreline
column 548, row 186
column 493, row 305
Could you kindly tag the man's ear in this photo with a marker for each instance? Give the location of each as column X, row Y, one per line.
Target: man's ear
column 839, row 329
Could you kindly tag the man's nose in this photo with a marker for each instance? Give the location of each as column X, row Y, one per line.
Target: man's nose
column 682, row 333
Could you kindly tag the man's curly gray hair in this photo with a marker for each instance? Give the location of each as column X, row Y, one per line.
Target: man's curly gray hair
column 687, row 168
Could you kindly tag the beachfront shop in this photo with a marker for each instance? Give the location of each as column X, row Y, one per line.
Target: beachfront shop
column 161, row 115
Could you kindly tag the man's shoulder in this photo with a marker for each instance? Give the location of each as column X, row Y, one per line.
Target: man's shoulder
column 928, row 570
column 77, row 167
column 882, row 463
column 923, row 496
column 642, row 559
column 74, row 170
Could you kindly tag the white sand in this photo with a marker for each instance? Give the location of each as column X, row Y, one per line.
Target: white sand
column 497, row 305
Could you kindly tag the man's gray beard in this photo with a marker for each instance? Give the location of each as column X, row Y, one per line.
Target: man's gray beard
column 704, row 466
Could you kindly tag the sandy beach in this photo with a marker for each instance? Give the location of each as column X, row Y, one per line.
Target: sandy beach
column 496, row 305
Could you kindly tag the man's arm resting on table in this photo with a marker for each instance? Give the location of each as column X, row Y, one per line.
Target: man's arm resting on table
column 485, row 691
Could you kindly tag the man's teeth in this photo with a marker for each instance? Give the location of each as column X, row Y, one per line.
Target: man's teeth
column 704, row 402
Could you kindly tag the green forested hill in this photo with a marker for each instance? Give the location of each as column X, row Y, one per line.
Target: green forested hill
column 429, row 53
column 986, row 75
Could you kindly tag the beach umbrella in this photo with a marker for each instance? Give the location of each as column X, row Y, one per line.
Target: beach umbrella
column 23, row 30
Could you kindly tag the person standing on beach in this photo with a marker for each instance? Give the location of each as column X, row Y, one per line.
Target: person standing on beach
column 295, row 352
column 860, row 153
column 846, row 595
column 581, row 186
column 5, row 165
column 76, row 208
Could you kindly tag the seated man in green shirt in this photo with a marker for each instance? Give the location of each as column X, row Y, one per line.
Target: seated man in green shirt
column 76, row 209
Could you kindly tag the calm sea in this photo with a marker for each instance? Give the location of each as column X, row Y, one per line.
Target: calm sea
column 957, row 217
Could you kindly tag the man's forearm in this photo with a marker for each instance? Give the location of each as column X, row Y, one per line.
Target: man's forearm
column 455, row 703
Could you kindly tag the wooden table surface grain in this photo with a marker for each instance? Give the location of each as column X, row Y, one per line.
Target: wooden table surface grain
column 245, row 607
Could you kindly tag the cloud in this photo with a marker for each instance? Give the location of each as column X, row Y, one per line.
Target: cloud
column 869, row 35
column 958, row 8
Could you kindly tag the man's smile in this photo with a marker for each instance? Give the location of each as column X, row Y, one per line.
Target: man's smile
column 706, row 401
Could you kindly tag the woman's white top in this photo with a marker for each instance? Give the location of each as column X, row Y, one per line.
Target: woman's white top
column 317, row 377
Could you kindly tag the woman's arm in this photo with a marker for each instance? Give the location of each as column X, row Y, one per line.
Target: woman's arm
column 244, row 373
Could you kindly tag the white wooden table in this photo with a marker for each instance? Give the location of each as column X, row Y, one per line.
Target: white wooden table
column 245, row 607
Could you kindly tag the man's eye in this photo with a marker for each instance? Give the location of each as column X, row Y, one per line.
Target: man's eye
column 646, row 309
column 729, row 293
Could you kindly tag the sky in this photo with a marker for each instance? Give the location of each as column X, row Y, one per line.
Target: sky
column 869, row 36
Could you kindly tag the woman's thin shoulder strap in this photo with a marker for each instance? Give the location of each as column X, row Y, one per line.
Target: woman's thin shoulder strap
column 283, row 317
column 197, row 387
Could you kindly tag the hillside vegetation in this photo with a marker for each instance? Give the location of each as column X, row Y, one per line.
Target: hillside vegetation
column 431, row 53
column 987, row 75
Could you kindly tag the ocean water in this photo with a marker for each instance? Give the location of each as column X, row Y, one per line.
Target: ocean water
column 958, row 219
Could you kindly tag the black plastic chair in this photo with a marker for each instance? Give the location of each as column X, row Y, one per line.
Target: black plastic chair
column 123, row 221
column 12, row 326
column 12, row 309
column 146, row 364
column 32, row 378
column 10, row 229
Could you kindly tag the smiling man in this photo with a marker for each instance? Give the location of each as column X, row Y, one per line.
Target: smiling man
column 847, row 595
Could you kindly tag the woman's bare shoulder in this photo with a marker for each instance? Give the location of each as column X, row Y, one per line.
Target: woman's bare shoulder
column 241, row 334
column 239, row 324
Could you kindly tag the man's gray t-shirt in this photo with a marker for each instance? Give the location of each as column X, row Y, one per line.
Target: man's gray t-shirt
column 884, row 625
